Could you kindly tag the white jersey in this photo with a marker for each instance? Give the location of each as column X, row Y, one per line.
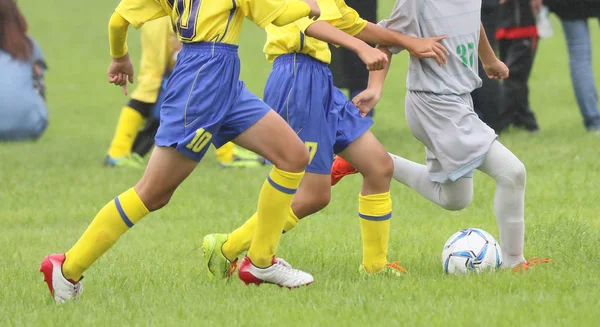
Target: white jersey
column 460, row 21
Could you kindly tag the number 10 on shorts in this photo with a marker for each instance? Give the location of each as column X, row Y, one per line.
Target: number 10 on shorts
column 200, row 140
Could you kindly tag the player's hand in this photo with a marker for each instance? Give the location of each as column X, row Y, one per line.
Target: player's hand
column 496, row 70
column 119, row 71
column 429, row 48
column 366, row 100
column 372, row 57
column 315, row 11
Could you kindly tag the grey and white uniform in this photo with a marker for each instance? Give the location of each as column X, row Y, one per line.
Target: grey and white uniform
column 439, row 108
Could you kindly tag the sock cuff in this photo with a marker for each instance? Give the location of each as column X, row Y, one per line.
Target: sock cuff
column 130, row 207
column 375, row 206
column 284, row 181
column 293, row 216
column 290, row 221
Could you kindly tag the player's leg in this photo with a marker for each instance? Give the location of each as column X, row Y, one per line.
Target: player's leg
column 509, row 201
column 230, row 155
column 290, row 158
column 520, row 62
column 313, row 195
column 131, row 120
column 144, row 140
column 304, row 109
column 63, row 272
column 369, row 157
column 452, row 196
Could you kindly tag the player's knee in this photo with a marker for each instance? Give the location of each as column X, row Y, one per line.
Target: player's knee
column 456, row 201
column 517, row 174
column 381, row 168
column 295, row 159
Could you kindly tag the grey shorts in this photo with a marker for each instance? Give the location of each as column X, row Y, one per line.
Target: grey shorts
column 456, row 140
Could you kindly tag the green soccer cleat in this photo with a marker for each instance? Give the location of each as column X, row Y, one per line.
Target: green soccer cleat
column 216, row 263
column 139, row 159
column 390, row 269
column 127, row 162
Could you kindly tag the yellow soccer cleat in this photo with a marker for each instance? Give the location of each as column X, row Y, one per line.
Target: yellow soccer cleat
column 391, row 269
column 217, row 264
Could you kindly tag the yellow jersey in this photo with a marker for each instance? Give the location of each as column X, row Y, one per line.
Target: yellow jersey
column 203, row 21
column 291, row 38
column 158, row 58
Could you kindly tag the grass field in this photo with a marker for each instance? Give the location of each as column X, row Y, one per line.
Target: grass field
column 51, row 189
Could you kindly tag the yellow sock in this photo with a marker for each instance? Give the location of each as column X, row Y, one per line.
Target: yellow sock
column 225, row 153
column 128, row 126
column 291, row 221
column 375, row 212
column 273, row 206
column 109, row 224
column 240, row 239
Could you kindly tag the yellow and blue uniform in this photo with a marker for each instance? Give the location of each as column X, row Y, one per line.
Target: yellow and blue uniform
column 205, row 101
column 158, row 59
column 300, row 87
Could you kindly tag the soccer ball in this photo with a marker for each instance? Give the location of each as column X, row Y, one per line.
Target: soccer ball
column 471, row 249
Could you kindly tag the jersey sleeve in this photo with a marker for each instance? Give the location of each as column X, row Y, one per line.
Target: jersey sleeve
column 403, row 19
column 350, row 21
column 262, row 12
column 329, row 12
column 137, row 12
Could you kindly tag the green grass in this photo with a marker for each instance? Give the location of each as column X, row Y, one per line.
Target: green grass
column 51, row 189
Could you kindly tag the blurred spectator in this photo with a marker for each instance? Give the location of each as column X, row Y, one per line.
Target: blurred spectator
column 517, row 37
column 349, row 72
column 487, row 100
column 574, row 15
column 23, row 113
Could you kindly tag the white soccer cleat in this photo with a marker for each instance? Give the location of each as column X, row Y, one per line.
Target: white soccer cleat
column 279, row 273
column 61, row 288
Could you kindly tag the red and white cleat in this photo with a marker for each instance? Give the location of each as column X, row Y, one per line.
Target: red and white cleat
column 279, row 273
column 339, row 169
column 61, row 288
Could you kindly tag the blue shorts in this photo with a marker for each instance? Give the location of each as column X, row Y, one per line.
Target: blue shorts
column 205, row 102
column 161, row 97
column 301, row 90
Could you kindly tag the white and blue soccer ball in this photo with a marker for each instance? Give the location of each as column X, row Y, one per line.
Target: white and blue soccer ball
column 471, row 249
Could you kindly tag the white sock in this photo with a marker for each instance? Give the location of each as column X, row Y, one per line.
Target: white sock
column 451, row 196
column 509, row 201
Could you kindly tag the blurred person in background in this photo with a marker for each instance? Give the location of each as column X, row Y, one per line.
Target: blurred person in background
column 574, row 16
column 23, row 112
column 488, row 99
column 349, row 72
column 140, row 118
column 517, row 37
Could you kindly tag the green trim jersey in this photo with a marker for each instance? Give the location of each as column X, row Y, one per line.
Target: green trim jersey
column 460, row 21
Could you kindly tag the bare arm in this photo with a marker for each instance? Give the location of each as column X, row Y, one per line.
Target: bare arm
column 367, row 99
column 486, row 53
column 377, row 79
column 373, row 58
column 494, row 68
column 418, row 47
